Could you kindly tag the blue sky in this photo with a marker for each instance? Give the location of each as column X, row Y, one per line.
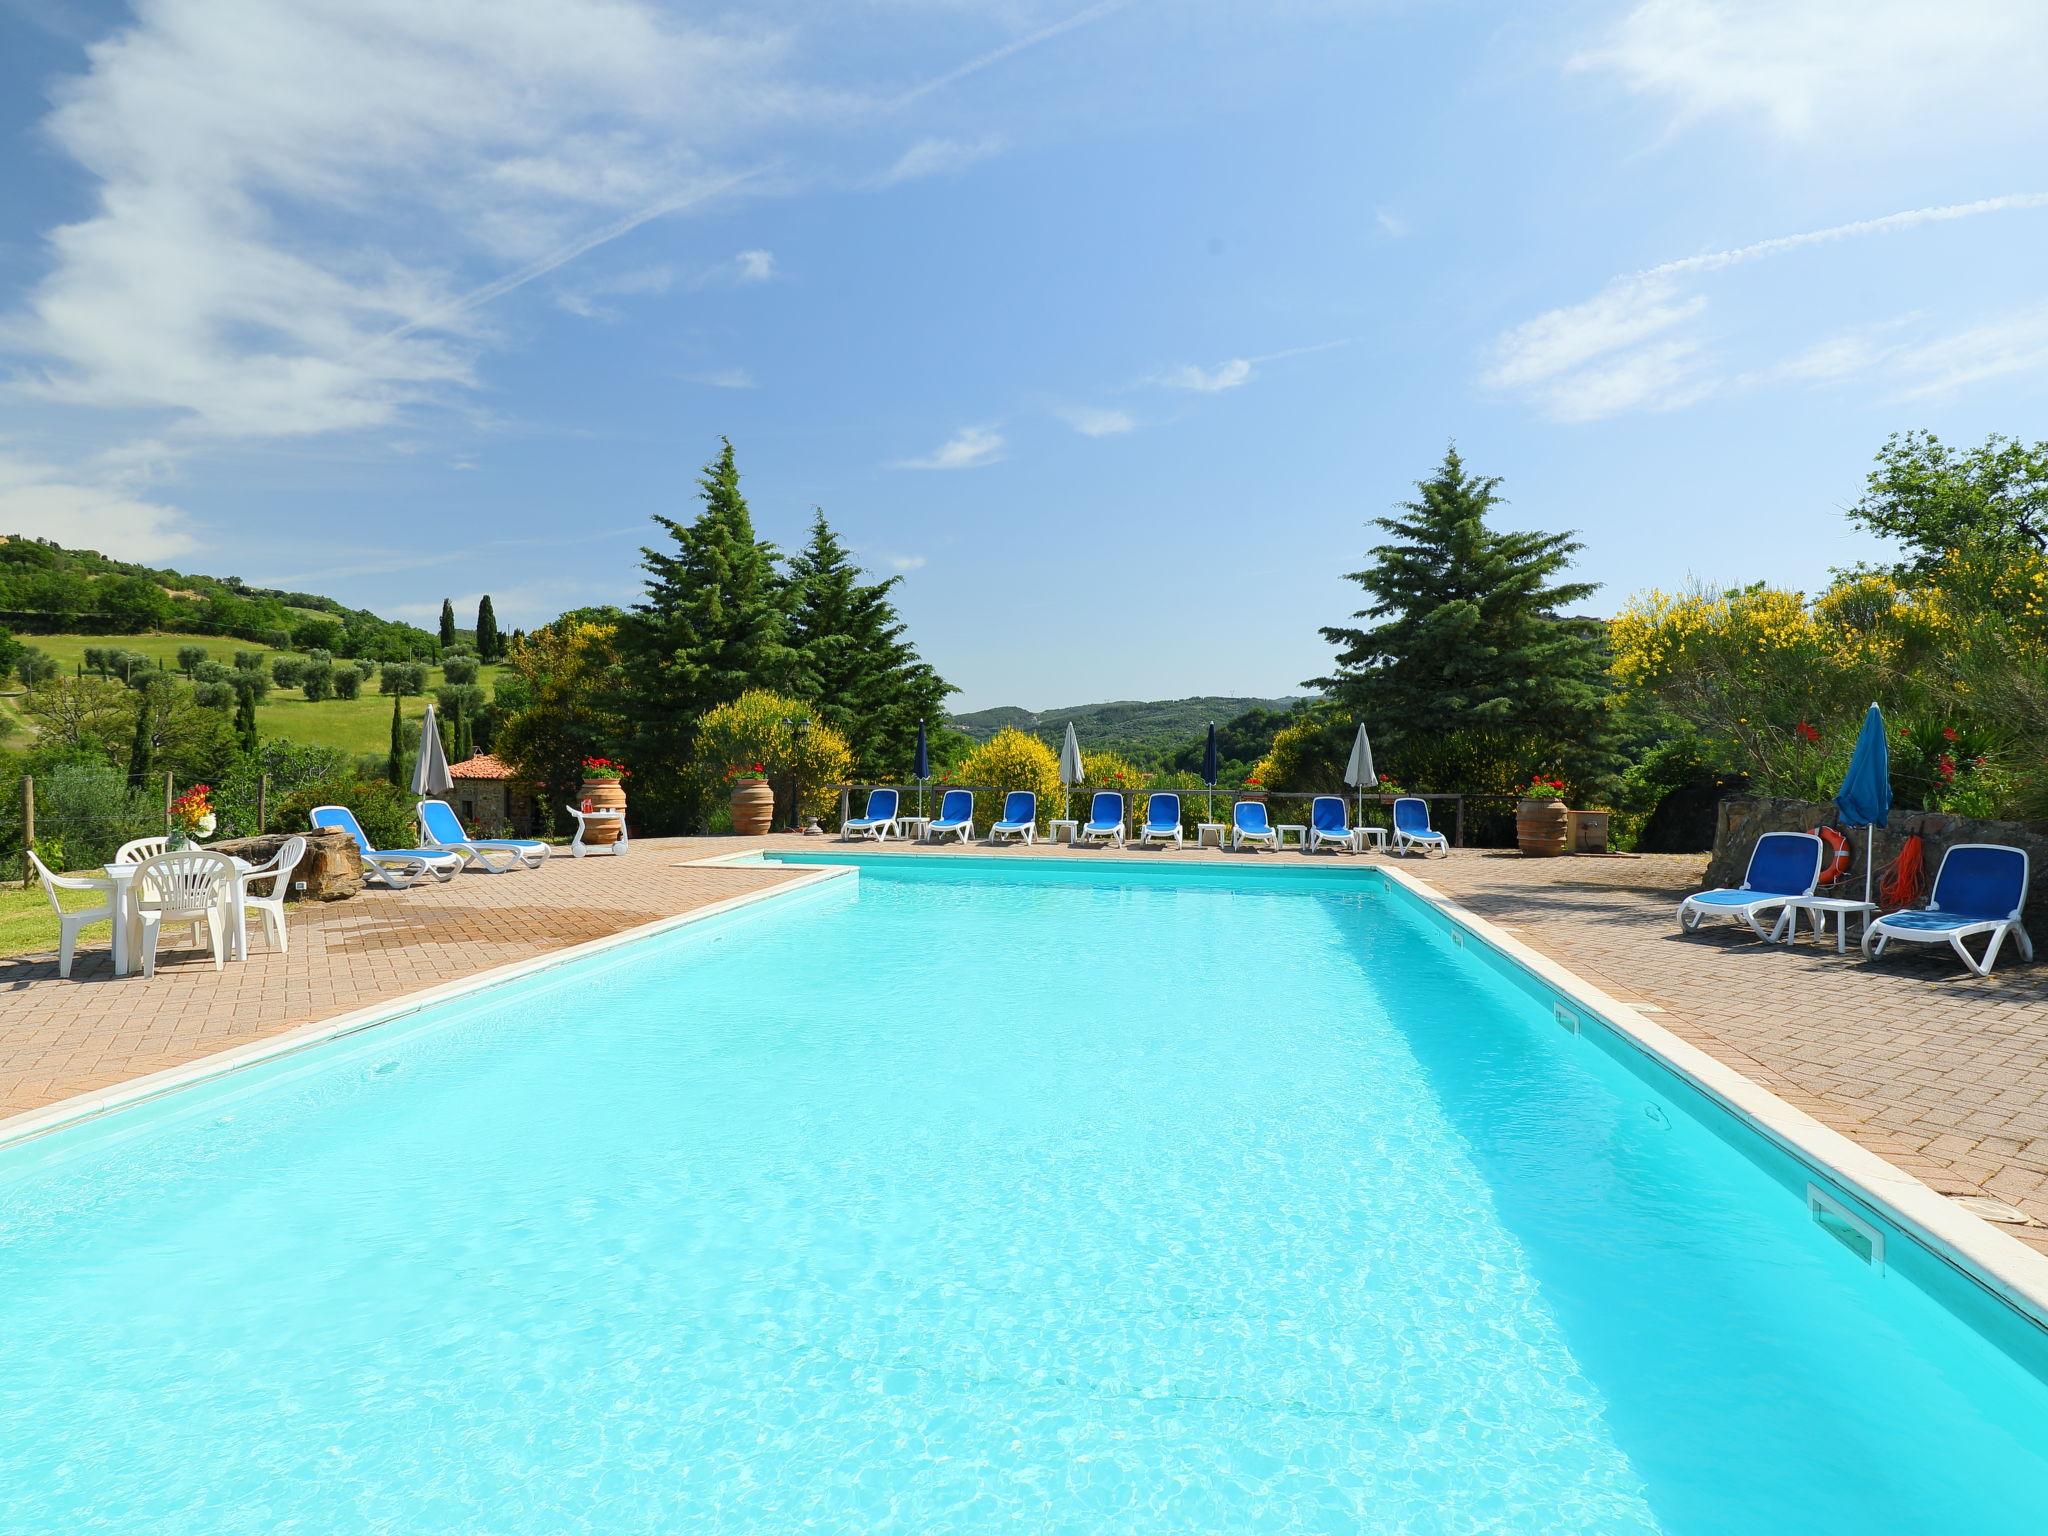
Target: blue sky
column 1108, row 325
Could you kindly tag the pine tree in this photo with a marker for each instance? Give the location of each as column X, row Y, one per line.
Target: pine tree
column 394, row 765
column 869, row 682
column 488, row 647
column 712, row 626
column 245, row 718
column 447, row 624
column 1470, row 665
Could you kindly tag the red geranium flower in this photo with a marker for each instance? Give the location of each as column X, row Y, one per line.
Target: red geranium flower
column 1948, row 733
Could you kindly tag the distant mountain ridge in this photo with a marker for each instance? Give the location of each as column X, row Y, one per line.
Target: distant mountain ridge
column 1120, row 722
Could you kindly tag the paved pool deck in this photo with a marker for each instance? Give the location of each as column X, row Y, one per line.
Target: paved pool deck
column 1942, row 1073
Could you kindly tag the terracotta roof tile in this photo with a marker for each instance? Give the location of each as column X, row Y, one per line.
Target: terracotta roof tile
column 482, row 766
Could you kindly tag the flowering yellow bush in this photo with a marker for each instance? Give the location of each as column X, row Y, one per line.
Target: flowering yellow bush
column 1011, row 760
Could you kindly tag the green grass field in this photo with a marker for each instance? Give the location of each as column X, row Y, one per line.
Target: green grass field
column 361, row 725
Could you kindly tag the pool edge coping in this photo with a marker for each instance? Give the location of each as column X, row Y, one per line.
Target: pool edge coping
column 79, row 1108
column 1996, row 1260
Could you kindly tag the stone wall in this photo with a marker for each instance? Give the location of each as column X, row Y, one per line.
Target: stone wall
column 1745, row 818
column 332, row 869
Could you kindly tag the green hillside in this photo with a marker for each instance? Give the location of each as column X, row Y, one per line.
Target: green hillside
column 360, row 725
column 1144, row 730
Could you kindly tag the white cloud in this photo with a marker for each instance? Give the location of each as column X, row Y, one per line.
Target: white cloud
column 463, row 133
column 969, row 448
column 755, row 266
column 1208, row 381
column 1635, row 344
column 1390, row 223
column 938, row 157
column 906, row 562
column 722, row 378
column 41, row 501
column 1814, row 68
column 1095, row 421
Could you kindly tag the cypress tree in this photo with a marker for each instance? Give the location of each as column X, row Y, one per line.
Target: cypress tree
column 142, row 746
column 1465, row 658
column 867, row 680
column 712, row 626
column 245, row 717
column 487, row 644
column 394, row 765
column 447, row 623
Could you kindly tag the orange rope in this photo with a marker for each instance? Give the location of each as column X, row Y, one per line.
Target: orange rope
column 1902, row 880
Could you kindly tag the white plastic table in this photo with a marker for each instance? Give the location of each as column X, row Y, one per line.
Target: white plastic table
column 1073, row 829
column 1208, row 832
column 1281, row 830
column 1819, row 908
column 1377, row 836
column 911, row 829
column 127, row 922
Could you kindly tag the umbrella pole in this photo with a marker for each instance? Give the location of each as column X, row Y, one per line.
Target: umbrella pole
column 1869, row 860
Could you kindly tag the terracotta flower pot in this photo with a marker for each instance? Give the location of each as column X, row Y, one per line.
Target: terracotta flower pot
column 753, row 807
column 1542, row 829
column 602, row 795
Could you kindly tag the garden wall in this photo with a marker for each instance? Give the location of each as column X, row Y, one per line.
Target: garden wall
column 1744, row 818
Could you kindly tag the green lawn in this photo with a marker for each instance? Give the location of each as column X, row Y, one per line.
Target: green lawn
column 361, row 725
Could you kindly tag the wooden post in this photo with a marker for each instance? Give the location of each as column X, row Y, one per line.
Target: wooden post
column 845, row 801
column 262, row 799
column 169, row 796
column 1458, row 831
column 28, row 827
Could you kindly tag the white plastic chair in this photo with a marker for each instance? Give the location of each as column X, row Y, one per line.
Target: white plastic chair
column 192, row 886
column 135, row 850
column 68, row 923
column 270, row 906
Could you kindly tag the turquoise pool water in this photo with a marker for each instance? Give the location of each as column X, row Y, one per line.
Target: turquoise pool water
column 982, row 1198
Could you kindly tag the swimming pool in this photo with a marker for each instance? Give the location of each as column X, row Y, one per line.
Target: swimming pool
column 969, row 1195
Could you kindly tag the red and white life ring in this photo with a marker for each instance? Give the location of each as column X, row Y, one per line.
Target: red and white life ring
column 1834, row 854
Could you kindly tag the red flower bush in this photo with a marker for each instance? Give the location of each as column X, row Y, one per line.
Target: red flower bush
column 605, row 768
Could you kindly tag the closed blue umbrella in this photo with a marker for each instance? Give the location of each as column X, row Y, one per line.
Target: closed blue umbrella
column 1209, row 772
column 922, row 768
column 1865, row 798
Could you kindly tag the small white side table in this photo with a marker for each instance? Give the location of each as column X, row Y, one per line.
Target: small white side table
column 1280, row 834
column 1211, row 832
column 1819, row 908
column 911, row 829
column 1376, row 836
column 1063, row 831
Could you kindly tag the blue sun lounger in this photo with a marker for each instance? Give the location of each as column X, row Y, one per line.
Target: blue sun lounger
column 1105, row 822
column 1020, row 817
column 879, row 821
column 956, row 816
column 1162, row 820
column 1979, row 889
column 1782, row 867
column 1329, row 824
column 1412, row 828
column 395, row 867
column 1249, row 825
column 440, row 827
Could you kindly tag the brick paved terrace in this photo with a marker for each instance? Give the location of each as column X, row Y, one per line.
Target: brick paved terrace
column 1942, row 1073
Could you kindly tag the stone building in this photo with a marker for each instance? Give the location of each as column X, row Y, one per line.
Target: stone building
column 491, row 799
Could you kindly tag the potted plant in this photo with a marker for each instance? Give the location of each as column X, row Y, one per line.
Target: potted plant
column 1542, row 823
column 192, row 817
column 604, row 789
column 752, row 799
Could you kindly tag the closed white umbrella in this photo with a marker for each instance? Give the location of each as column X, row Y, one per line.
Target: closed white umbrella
column 1070, row 770
column 1358, row 773
column 430, row 768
